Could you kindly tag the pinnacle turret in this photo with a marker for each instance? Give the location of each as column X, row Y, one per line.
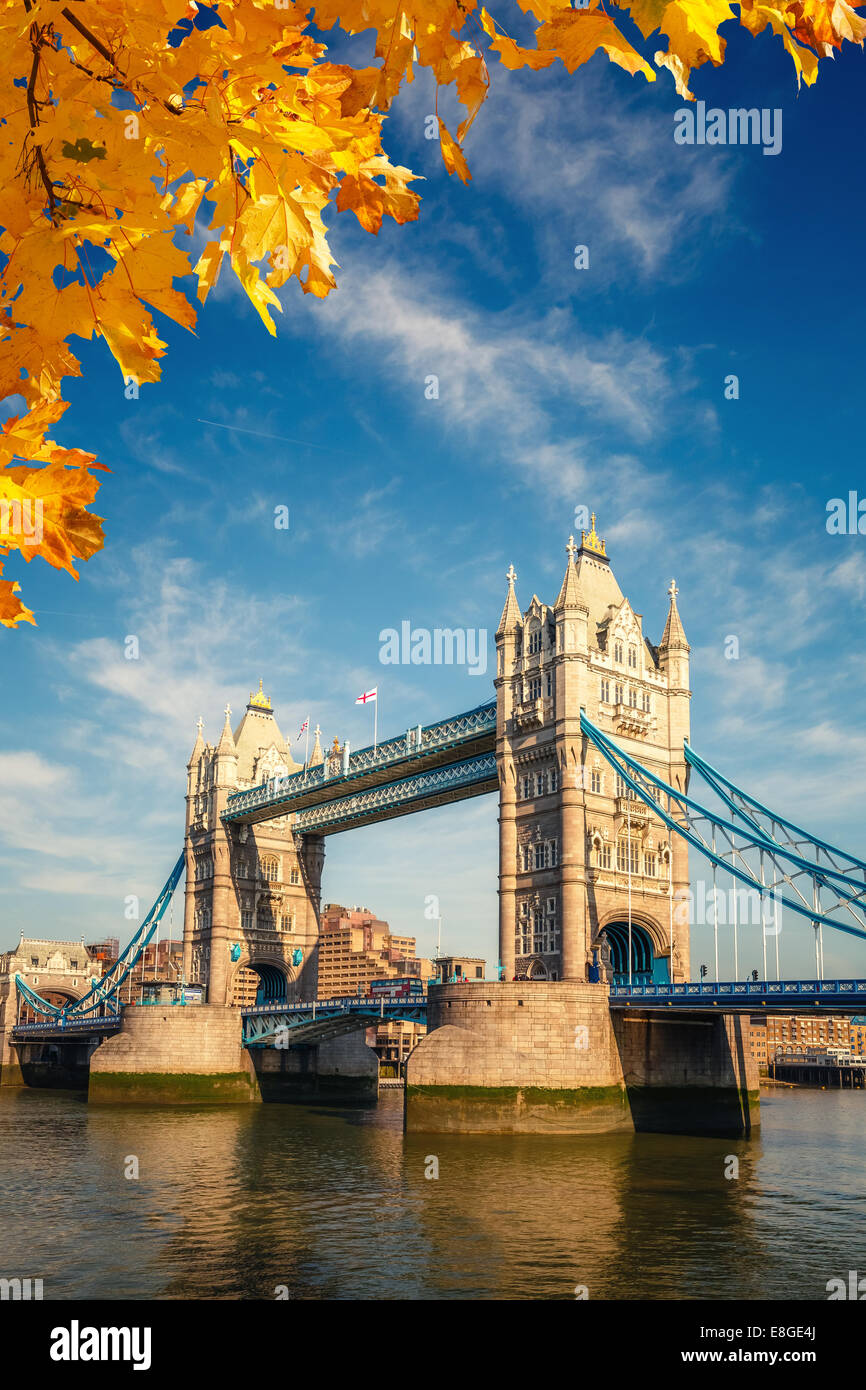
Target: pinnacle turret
column 316, row 757
column 570, row 595
column 226, row 744
column 674, row 637
column 511, row 614
column 198, row 746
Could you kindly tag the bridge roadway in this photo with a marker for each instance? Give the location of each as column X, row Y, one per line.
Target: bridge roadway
column 746, row 996
column 321, row 1019
column 426, row 766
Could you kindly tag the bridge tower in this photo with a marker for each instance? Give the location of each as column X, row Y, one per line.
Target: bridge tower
column 252, row 891
column 587, row 872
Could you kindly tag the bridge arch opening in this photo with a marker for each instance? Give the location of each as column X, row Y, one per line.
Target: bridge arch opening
column 53, row 994
column 646, row 967
column 272, row 982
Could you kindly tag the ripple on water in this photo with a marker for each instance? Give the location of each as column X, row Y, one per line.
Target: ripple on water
column 231, row 1202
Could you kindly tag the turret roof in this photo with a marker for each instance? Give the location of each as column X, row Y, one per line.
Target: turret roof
column 674, row 636
column 511, row 614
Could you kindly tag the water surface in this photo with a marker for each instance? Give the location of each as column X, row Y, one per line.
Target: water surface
column 232, row 1202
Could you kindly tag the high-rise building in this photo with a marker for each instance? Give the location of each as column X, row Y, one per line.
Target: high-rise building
column 355, row 948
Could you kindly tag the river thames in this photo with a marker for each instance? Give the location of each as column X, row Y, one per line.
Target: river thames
column 305, row 1202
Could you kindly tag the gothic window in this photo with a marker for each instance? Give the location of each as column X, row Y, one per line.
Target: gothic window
column 632, row 658
column 269, row 868
column 632, row 697
column 534, row 639
column 265, row 918
column 527, row 858
column 647, row 704
column 554, row 779
column 246, row 921
column 617, row 652
column 604, row 856
column 627, row 852
column 605, row 692
column 294, row 874
column 595, row 780
column 539, row 855
column 549, row 684
column 527, row 787
column 617, row 694
column 535, row 688
column 649, row 864
column 541, row 784
column 552, row 856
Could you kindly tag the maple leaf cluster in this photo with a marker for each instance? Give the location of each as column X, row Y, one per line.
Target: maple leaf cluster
column 122, row 124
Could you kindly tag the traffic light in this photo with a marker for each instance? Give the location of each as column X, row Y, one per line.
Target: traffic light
column 754, row 974
column 704, row 970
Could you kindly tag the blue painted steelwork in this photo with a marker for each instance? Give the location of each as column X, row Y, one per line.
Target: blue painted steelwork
column 103, row 994
column 324, row 1018
column 63, row 1027
column 420, row 747
column 771, row 825
column 745, row 996
column 470, row 777
column 726, row 844
column 645, row 966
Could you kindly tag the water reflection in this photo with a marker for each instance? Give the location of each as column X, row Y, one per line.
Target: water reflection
column 233, row 1202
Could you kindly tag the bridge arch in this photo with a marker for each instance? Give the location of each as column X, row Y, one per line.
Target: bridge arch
column 275, row 975
column 53, row 992
column 650, row 962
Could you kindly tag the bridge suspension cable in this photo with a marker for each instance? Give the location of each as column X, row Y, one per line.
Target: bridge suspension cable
column 774, row 827
column 824, row 892
column 103, row 993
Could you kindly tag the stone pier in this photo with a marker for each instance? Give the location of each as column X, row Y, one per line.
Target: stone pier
column 550, row 1057
column 174, row 1056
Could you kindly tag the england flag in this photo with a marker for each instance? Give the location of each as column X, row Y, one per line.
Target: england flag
column 368, row 696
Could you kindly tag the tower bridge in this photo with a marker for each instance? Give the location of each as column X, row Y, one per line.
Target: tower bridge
column 595, row 1021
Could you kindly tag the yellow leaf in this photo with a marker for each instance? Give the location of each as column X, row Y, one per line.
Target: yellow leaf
column 452, row 155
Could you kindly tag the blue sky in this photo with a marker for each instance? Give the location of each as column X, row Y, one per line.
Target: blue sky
column 558, row 388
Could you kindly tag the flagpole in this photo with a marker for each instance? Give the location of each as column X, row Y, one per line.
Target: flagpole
column 307, row 753
column 375, row 720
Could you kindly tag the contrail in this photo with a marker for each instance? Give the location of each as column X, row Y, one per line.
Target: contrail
column 281, row 437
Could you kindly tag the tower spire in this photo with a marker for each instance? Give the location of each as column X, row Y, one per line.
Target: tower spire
column 674, row 637
column 316, row 756
column 511, row 615
column 198, row 746
column 227, row 741
column 569, row 595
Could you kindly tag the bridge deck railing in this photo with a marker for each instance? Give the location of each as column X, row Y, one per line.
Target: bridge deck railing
column 415, row 743
column 703, row 989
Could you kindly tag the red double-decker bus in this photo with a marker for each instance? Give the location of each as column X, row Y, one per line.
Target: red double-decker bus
column 405, row 987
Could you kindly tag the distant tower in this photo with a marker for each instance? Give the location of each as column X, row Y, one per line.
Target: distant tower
column 585, row 868
column 252, row 891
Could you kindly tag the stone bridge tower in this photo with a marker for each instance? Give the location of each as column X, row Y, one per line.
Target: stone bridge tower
column 585, row 868
column 252, row 891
